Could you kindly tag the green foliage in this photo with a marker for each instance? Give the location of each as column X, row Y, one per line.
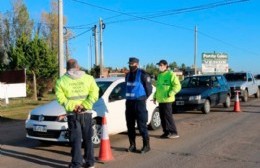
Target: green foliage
column 152, row 70
column 173, row 65
column 95, row 72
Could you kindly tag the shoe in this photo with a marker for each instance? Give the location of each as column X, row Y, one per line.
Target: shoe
column 146, row 146
column 145, row 149
column 164, row 135
column 172, row 136
column 131, row 148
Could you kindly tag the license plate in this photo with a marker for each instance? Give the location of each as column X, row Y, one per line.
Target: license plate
column 40, row 128
column 179, row 103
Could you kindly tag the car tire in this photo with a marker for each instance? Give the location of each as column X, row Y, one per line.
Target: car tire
column 206, row 107
column 257, row 94
column 245, row 97
column 97, row 132
column 156, row 120
column 227, row 102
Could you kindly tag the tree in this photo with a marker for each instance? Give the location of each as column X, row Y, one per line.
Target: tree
column 42, row 63
column 152, row 70
column 49, row 28
column 14, row 24
column 173, row 65
column 21, row 22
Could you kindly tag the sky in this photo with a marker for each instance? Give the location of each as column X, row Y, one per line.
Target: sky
column 232, row 28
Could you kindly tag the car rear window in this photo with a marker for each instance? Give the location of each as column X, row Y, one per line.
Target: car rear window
column 196, row 81
column 235, row 77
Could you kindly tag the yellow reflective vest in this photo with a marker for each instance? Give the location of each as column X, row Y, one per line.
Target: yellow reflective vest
column 167, row 86
column 71, row 92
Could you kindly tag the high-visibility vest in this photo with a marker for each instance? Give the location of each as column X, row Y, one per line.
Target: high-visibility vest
column 134, row 89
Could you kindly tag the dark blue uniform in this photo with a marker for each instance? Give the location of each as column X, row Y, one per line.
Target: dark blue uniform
column 138, row 89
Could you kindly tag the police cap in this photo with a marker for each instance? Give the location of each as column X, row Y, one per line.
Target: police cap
column 164, row 62
column 133, row 60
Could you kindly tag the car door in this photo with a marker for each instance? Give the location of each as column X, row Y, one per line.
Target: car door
column 216, row 91
column 224, row 89
column 116, row 109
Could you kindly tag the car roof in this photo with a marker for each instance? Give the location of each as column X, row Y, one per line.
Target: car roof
column 206, row 75
column 109, row 79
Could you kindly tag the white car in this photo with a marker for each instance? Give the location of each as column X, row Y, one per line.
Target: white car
column 49, row 122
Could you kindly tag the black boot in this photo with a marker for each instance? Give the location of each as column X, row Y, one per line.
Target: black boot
column 132, row 147
column 146, row 146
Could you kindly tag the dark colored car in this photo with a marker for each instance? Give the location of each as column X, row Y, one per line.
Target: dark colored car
column 202, row 92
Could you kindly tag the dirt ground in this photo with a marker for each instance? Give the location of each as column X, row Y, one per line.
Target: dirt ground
column 221, row 138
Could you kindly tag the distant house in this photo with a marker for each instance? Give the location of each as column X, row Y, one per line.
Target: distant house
column 12, row 84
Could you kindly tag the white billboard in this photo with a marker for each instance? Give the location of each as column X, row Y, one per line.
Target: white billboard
column 214, row 63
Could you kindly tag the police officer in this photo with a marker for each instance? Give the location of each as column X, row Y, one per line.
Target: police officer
column 77, row 92
column 167, row 86
column 138, row 89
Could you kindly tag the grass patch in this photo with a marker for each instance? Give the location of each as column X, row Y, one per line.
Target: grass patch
column 18, row 108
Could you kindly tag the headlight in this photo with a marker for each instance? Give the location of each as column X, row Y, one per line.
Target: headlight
column 242, row 87
column 198, row 97
column 29, row 116
column 62, row 118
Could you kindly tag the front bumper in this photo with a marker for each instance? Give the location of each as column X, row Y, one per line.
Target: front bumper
column 55, row 131
column 188, row 105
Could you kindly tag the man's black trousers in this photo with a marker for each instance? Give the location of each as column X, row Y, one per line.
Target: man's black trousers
column 167, row 120
column 136, row 111
column 80, row 128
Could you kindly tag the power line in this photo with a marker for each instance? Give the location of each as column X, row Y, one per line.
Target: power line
column 164, row 13
column 173, row 12
column 80, row 34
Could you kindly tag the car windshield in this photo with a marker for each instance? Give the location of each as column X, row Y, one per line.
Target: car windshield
column 103, row 85
column 235, row 77
column 196, row 81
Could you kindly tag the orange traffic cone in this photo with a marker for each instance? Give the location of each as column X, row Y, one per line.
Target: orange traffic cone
column 237, row 104
column 105, row 153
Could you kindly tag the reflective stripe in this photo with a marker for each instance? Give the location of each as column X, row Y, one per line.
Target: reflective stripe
column 130, row 94
column 130, row 84
column 77, row 97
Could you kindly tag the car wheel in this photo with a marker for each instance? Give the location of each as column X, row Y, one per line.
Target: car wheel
column 156, row 120
column 227, row 102
column 257, row 95
column 206, row 107
column 245, row 97
column 97, row 132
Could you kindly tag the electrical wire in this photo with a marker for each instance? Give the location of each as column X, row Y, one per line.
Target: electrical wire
column 171, row 12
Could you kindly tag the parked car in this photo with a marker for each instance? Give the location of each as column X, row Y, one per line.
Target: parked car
column 202, row 92
column 244, row 82
column 49, row 122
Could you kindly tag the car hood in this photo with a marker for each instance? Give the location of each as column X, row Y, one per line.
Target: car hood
column 236, row 84
column 191, row 91
column 53, row 108
column 50, row 109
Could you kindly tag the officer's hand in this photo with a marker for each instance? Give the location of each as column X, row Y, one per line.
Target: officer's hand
column 76, row 109
column 81, row 108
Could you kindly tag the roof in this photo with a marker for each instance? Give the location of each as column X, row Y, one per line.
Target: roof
column 206, row 75
column 109, row 79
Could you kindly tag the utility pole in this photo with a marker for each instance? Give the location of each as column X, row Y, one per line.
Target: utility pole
column 67, row 50
column 90, row 46
column 61, row 52
column 195, row 50
column 96, row 44
column 101, row 27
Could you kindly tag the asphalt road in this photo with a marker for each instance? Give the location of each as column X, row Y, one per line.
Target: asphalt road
column 219, row 139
